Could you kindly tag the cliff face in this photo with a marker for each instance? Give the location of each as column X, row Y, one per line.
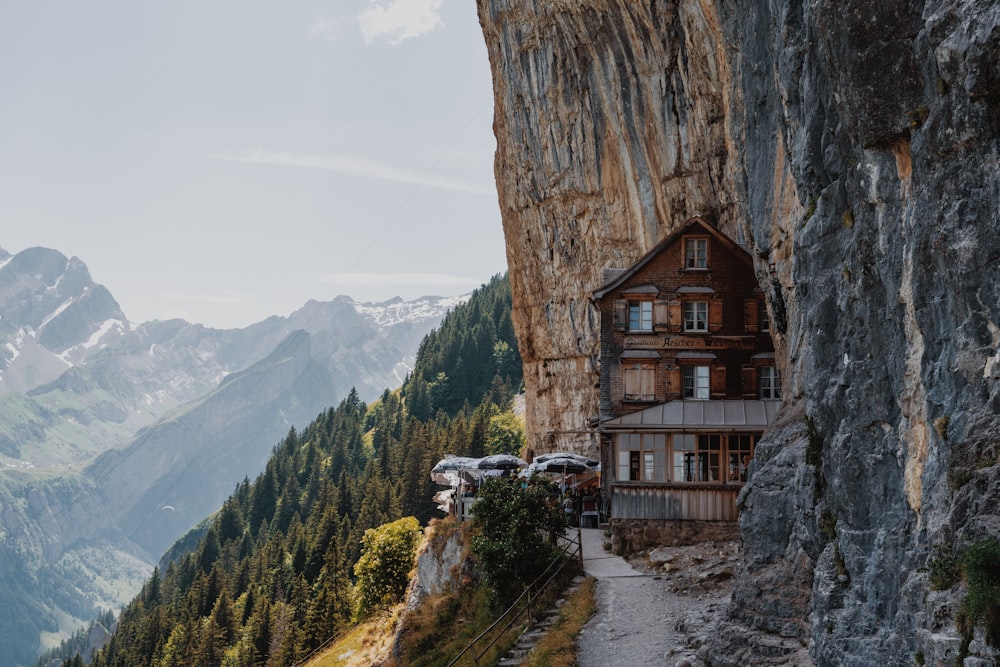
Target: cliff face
column 855, row 149
column 610, row 128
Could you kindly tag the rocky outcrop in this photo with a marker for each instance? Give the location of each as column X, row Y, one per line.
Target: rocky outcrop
column 441, row 564
column 855, row 149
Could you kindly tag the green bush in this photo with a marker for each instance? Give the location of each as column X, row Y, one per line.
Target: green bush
column 383, row 571
column 516, row 533
column 982, row 574
column 945, row 569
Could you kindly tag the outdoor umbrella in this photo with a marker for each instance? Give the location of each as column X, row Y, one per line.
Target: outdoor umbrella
column 589, row 462
column 563, row 464
column 501, row 462
column 446, row 471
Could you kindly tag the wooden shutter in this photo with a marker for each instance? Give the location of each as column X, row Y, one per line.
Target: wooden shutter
column 640, row 381
column 673, row 382
column 620, row 314
column 675, row 318
column 715, row 314
column 749, row 381
column 633, row 380
column 648, row 382
column 717, row 383
column 661, row 315
column 751, row 310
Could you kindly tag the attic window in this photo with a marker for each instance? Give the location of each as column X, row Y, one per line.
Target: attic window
column 696, row 252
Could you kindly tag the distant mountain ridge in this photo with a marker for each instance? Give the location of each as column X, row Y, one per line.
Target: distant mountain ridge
column 116, row 437
column 77, row 378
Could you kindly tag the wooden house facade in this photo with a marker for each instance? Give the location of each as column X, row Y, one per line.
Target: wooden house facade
column 688, row 384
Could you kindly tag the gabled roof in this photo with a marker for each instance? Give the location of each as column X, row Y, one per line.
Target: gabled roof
column 733, row 415
column 615, row 280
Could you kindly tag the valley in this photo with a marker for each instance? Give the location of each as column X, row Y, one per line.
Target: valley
column 116, row 437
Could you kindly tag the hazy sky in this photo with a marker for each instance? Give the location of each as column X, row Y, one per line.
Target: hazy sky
column 226, row 160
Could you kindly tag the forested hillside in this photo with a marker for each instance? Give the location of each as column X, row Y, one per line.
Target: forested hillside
column 269, row 579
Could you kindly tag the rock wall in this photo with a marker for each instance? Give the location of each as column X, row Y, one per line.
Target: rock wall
column 855, row 148
column 611, row 130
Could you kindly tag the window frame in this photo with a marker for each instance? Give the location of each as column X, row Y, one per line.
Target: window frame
column 768, row 383
column 691, row 388
column 710, row 458
column 689, row 316
column 644, row 315
column 695, row 258
column 641, row 457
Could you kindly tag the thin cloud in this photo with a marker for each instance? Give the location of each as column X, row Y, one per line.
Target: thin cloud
column 391, row 279
column 332, row 29
column 399, row 20
column 356, row 166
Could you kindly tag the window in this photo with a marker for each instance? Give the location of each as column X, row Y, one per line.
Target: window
column 695, row 315
column 770, row 384
column 640, row 380
column 695, row 383
column 640, row 315
column 696, row 253
column 740, row 450
column 698, row 457
column 765, row 324
column 641, row 457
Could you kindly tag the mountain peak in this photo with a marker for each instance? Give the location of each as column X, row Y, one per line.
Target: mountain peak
column 53, row 312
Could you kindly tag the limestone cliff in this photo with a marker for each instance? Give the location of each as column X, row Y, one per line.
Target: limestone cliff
column 855, row 148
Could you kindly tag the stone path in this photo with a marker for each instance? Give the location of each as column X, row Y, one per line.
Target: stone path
column 657, row 614
column 641, row 618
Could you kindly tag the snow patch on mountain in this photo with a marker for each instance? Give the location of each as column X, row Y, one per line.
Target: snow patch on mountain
column 107, row 332
column 396, row 311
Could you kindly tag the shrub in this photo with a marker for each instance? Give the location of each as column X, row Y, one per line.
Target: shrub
column 981, row 562
column 944, row 568
column 383, row 571
column 516, row 533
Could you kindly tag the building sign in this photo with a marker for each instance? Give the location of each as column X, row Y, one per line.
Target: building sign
column 691, row 342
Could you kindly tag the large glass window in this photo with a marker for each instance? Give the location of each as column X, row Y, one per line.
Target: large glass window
column 640, row 315
column 696, row 253
column 695, row 382
column 770, row 383
column 739, row 450
column 695, row 315
column 641, row 457
column 696, row 458
column 699, row 457
column 640, row 380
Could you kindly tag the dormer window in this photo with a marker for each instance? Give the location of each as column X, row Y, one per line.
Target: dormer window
column 696, row 252
column 640, row 316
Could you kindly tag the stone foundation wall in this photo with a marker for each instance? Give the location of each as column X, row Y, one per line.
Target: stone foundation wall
column 632, row 535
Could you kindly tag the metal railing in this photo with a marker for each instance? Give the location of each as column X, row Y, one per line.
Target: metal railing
column 524, row 606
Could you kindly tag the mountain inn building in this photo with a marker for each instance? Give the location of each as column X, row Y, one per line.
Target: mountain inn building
column 688, row 384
